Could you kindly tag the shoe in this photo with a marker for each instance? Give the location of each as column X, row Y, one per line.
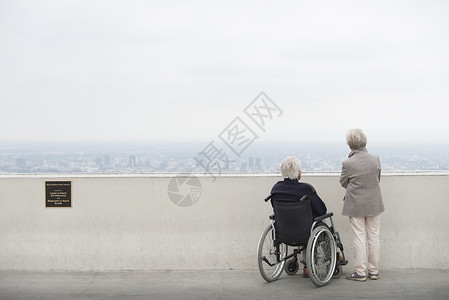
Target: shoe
column 373, row 276
column 356, row 277
column 305, row 273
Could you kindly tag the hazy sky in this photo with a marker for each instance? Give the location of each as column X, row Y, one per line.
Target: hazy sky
column 107, row 70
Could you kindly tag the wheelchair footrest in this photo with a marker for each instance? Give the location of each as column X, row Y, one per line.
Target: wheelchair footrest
column 343, row 262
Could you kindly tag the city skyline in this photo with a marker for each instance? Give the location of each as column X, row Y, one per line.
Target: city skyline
column 262, row 157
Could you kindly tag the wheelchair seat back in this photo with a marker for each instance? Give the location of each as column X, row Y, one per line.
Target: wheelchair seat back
column 293, row 219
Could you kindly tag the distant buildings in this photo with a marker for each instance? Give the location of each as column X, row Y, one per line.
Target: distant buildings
column 180, row 159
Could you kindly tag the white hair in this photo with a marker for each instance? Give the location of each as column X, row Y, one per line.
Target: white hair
column 290, row 167
column 356, row 139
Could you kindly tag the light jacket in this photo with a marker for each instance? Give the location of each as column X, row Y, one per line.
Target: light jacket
column 360, row 176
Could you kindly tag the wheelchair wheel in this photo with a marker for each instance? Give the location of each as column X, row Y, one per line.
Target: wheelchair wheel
column 270, row 256
column 292, row 266
column 321, row 255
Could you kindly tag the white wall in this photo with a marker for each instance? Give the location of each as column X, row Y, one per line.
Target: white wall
column 129, row 222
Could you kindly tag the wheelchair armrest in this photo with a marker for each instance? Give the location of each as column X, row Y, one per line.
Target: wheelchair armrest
column 321, row 218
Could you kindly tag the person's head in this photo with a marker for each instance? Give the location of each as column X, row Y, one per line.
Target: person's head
column 356, row 139
column 291, row 168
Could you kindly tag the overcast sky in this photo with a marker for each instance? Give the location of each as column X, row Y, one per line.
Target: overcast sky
column 142, row 70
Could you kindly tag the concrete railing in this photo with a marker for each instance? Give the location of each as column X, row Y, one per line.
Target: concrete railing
column 131, row 222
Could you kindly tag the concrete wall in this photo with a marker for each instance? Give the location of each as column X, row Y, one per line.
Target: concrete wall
column 129, row 222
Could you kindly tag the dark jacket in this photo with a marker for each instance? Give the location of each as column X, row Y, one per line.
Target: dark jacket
column 291, row 190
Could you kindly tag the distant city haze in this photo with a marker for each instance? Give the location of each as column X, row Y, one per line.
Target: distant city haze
column 193, row 157
column 108, row 71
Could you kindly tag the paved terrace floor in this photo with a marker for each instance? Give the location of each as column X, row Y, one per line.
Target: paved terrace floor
column 229, row 284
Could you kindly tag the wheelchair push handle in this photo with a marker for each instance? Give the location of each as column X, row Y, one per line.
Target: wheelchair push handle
column 303, row 198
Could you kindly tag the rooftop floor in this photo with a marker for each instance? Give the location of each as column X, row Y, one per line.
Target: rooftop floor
column 227, row 284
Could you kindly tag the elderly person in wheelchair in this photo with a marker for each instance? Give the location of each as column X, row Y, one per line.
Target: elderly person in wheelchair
column 299, row 222
column 290, row 188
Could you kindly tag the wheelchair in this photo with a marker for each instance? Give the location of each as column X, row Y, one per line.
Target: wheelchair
column 292, row 225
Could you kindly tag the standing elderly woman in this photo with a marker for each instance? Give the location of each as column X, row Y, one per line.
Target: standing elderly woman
column 360, row 176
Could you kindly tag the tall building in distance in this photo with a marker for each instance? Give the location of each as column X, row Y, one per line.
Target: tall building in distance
column 132, row 161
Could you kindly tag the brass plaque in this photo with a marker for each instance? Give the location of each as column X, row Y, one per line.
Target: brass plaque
column 58, row 194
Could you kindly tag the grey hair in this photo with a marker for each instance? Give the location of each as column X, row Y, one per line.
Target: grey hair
column 290, row 167
column 356, row 139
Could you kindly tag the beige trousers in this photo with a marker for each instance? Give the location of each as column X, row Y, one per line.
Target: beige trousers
column 366, row 229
